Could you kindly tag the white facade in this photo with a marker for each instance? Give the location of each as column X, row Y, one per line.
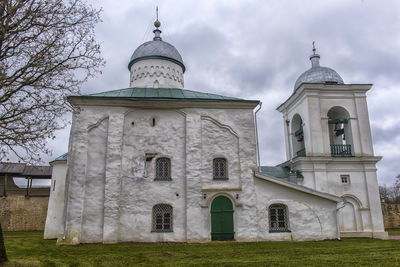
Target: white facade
column 157, row 163
column 156, row 73
column 321, row 168
column 54, row 219
column 112, row 188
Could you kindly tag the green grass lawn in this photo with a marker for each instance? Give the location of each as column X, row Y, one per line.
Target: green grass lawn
column 393, row 231
column 34, row 251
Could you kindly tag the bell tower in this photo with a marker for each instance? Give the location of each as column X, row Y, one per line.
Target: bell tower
column 328, row 140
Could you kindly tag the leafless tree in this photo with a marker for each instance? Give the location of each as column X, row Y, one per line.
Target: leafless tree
column 391, row 194
column 47, row 50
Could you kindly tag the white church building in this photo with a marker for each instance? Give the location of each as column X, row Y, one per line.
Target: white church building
column 158, row 163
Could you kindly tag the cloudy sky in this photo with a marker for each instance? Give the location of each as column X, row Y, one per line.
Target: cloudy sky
column 257, row 49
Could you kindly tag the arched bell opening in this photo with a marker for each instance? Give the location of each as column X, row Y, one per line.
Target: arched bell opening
column 340, row 135
column 298, row 137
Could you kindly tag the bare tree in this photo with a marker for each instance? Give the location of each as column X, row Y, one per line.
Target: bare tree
column 391, row 194
column 47, row 50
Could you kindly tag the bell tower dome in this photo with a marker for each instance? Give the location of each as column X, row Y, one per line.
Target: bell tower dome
column 156, row 64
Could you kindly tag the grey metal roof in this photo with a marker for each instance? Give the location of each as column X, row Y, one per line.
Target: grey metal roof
column 318, row 74
column 25, row 170
column 12, row 167
column 157, row 49
column 38, row 171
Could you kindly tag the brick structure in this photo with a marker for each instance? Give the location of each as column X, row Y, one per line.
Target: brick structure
column 23, row 209
column 391, row 215
column 19, row 213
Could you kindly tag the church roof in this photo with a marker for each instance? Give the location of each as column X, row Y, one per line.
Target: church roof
column 277, row 171
column 297, row 187
column 25, row 170
column 173, row 94
column 63, row 157
column 157, row 49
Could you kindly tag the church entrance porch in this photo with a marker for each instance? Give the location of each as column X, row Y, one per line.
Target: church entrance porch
column 222, row 219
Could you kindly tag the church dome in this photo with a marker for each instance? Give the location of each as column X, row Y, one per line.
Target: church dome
column 157, row 49
column 318, row 74
column 156, row 64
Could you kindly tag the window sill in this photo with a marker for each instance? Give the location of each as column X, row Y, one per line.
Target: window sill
column 280, row 231
column 161, row 231
column 162, row 179
column 220, row 179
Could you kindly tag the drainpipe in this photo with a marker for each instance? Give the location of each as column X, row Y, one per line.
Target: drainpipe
column 257, row 147
column 337, row 219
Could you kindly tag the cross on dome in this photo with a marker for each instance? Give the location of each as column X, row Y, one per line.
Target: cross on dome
column 157, row 31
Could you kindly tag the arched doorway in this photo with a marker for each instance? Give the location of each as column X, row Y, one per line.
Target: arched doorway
column 222, row 219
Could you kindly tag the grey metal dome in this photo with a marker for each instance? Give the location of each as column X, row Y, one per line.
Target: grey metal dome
column 318, row 74
column 157, row 49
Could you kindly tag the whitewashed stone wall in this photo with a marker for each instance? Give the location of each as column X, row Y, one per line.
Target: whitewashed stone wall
column 156, row 73
column 54, row 219
column 310, row 217
column 362, row 215
column 111, row 188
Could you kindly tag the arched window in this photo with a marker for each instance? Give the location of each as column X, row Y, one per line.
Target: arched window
column 220, row 169
column 163, row 169
column 162, row 218
column 278, row 218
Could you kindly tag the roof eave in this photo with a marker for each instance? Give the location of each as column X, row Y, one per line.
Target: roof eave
column 322, row 86
column 166, row 102
column 298, row 187
column 157, row 57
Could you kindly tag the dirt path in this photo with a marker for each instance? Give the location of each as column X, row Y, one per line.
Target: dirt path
column 394, row 237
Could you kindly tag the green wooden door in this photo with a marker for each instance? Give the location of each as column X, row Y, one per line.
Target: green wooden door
column 222, row 219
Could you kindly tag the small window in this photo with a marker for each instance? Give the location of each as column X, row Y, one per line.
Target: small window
column 162, row 218
column 153, row 122
column 54, row 185
column 163, row 169
column 278, row 220
column 345, row 179
column 219, row 169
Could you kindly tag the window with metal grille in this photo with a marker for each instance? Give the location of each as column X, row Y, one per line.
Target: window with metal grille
column 163, row 169
column 345, row 179
column 219, row 169
column 162, row 218
column 278, row 219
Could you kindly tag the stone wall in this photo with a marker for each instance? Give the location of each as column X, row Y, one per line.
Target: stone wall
column 391, row 215
column 18, row 213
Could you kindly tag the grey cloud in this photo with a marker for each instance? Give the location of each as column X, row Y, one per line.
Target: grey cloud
column 257, row 49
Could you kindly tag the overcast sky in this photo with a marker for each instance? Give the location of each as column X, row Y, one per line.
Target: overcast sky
column 257, row 49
